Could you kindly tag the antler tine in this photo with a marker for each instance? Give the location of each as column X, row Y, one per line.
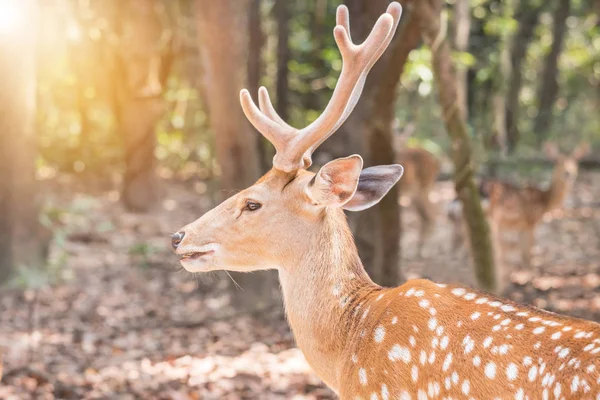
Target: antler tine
column 342, row 18
column 395, row 10
column 265, row 105
column 357, row 62
column 267, row 127
column 295, row 147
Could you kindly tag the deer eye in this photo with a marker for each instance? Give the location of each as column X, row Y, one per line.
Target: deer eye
column 252, row 205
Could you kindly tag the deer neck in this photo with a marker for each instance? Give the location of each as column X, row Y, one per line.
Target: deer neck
column 321, row 295
column 559, row 187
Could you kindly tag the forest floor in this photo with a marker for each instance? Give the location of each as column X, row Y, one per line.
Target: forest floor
column 123, row 321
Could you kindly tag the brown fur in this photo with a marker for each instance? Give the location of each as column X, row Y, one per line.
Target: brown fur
column 421, row 171
column 335, row 310
column 293, row 221
column 521, row 209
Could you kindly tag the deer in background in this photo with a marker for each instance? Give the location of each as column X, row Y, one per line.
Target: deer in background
column 421, row 169
column 417, row 341
column 512, row 208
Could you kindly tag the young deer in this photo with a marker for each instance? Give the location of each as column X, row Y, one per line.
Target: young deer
column 512, row 208
column 417, row 341
column 421, row 169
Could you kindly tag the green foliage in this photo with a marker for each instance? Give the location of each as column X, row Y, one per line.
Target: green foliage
column 77, row 121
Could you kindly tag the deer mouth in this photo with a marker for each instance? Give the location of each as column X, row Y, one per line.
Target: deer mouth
column 195, row 255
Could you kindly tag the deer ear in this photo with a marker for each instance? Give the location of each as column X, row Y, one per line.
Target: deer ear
column 336, row 182
column 374, row 183
column 581, row 151
column 551, row 150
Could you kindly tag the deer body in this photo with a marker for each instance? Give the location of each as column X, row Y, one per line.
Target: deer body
column 424, row 339
column 421, row 172
column 520, row 209
column 417, row 341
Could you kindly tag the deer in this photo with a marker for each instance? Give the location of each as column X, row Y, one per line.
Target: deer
column 521, row 209
column 421, row 340
column 421, row 169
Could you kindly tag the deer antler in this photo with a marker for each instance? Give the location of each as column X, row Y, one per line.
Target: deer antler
column 295, row 146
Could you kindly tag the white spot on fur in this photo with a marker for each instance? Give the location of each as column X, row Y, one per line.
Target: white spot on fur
column 487, row 342
column 575, row 384
column 512, row 371
column 447, row 362
column 422, row 357
column 458, row 291
column 490, row 370
column 362, row 376
column 385, row 394
column 399, row 353
column 379, row 334
column 469, row 344
column 414, row 373
column 532, row 373
column 556, row 335
column 563, row 353
column 444, row 342
column 466, row 387
column 432, row 357
column 432, row 324
column 557, row 390
column 520, row 395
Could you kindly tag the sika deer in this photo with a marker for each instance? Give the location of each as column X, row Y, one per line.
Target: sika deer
column 521, row 209
column 421, row 169
column 417, row 341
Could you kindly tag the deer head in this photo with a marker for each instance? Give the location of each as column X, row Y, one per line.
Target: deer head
column 566, row 166
column 275, row 222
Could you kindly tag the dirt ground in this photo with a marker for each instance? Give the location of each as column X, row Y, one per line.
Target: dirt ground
column 125, row 322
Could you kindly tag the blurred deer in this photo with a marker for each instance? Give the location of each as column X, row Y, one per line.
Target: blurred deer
column 421, row 169
column 520, row 209
column 420, row 340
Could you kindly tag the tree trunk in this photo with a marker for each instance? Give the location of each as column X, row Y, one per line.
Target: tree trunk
column 223, row 33
column 477, row 226
column 548, row 89
column 527, row 17
column 143, row 60
column 368, row 132
column 222, row 30
column 502, row 75
column 23, row 241
column 283, row 57
column 462, row 29
column 255, row 72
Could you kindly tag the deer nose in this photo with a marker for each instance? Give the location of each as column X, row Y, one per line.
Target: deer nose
column 176, row 239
